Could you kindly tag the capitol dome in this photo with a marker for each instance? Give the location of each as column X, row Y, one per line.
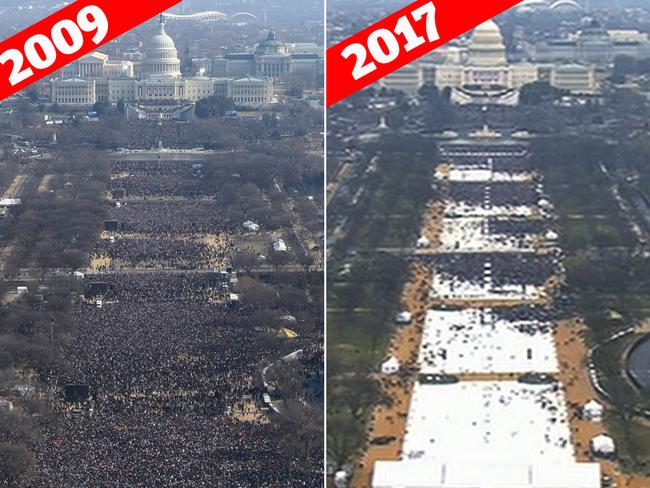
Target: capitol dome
column 161, row 56
column 486, row 47
column 271, row 45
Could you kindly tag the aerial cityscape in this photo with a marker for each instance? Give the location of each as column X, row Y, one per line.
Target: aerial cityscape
column 212, row 275
column 162, row 239
column 487, row 280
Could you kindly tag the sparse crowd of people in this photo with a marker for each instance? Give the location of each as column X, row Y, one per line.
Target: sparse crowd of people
column 496, row 194
column 517, row 227
column 504, row 269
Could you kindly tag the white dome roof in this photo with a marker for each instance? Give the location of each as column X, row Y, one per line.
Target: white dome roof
column 161, row 56
column 487, row 35
column 486, row 46
column 162, row 40
column 489, row 27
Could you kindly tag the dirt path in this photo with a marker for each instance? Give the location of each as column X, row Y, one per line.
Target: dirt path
column 101, row 262
column 44, row 185
column 15, row 184
column 390, row 421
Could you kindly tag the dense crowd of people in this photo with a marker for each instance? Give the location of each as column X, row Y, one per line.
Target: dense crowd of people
column 483, row 157
column 172, row 218
column 160, row 287
column 147, row 135
column 154, row 451
column 165, row 364
column 172, row 363
column 158, row 253
column 152, row 179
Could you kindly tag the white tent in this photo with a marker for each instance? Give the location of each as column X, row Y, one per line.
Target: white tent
column 280, row 246
column 552, row 236
column 593, row 411
column 423, row 243
column 251, row 226
column 603, row 445
column 391, row 366
column 404, row 318
column 341, row 479
column 6, row 405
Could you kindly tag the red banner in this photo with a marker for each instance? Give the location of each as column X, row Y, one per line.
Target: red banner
column 67, row 35
column 401, row 38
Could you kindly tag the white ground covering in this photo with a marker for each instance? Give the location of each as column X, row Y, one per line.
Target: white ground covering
column 453, row 288
column 477, row 175
column 462, row 209
column 473, row 341
column 485, row 434
column 493, row 421
column 472, row 235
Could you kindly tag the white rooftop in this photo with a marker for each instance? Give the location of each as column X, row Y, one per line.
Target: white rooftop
column 474, row 341
column 404, row 317
column 390, row 366
column 10, row 202
column 426, row 474
column 279, row 246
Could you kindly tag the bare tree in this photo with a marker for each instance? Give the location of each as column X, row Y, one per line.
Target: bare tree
column 244, row 260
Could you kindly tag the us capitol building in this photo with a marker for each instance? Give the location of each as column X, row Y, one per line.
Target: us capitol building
column 96, row 78
column 481, row 73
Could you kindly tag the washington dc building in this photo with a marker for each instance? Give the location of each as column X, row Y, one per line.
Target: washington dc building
column 271, row 58
column 481, row 73
column 95, row 78
column 592, row 44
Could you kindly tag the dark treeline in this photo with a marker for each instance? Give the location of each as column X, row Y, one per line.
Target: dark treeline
column 389, row 211
column 608, row 276
column 55, row 229
column 211, row 130
column 58, row 229
column 365, row 297
column 33, row 333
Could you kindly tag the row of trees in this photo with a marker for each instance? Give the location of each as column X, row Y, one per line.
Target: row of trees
column 32, row 335
column 363, row 303
column 59, row 229
column 54, row 230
